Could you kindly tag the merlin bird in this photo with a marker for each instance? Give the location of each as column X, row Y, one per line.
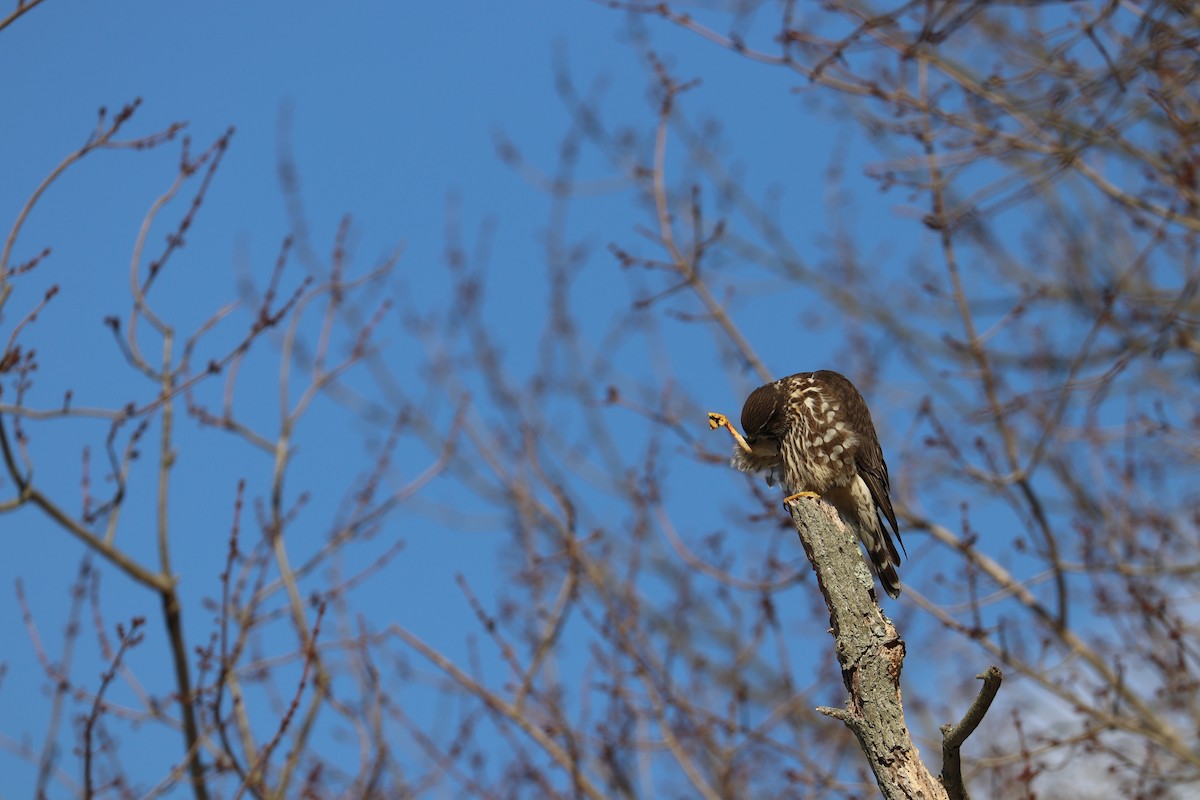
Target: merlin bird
column 812, row 433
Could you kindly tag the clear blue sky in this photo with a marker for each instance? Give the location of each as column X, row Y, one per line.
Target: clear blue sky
column 394, row 107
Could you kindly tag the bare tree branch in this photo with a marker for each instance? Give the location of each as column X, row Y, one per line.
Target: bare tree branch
column 953, row 736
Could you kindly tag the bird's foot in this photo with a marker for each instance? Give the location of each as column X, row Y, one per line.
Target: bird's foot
column 717, row 420
column 787, row 500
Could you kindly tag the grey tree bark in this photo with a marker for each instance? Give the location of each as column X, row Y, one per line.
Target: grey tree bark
column 871, row 655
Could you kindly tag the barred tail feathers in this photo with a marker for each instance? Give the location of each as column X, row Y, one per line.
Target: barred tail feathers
column 881, row 564
column 881, row 550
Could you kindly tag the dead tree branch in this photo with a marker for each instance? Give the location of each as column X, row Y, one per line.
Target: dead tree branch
column 953, row 736
column 871, row 655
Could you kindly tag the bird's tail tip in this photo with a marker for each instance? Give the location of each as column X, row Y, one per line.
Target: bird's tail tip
column 889, row 580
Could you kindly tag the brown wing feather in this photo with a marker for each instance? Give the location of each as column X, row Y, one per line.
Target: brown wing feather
column 874, row 472
column 875, row 476
column 868, row 456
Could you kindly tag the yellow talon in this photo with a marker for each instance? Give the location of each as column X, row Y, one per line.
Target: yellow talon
column 797, row 495
column 716, row 420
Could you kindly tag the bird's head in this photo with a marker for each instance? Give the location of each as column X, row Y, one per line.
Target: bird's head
column 763, row 414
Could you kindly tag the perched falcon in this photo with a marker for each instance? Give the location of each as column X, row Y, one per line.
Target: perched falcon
column 812, row 433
